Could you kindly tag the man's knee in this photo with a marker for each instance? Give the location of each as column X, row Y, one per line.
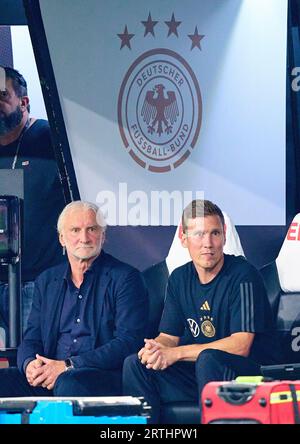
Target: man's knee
column 9, row 374
column 132, row 372
column 64, row 384
column 130, row 364
column 207, row 358
column 12, row 382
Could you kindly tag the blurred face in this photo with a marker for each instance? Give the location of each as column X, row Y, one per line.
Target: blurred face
column 81, row 235
column 11, row 108
column 205, row 239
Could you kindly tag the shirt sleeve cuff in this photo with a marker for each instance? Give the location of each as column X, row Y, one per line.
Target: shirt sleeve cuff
column 25, row 363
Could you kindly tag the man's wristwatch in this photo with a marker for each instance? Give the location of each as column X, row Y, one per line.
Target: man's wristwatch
column 69, row 364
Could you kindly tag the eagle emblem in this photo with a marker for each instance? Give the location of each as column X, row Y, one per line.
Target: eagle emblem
column 160, row 112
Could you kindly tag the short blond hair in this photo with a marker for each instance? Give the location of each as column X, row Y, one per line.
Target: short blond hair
column 200, row 208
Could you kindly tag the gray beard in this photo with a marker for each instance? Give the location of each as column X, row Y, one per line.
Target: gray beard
column 10, row 122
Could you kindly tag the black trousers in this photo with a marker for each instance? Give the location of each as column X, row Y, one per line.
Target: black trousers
column 183, row 381
column 75, row 382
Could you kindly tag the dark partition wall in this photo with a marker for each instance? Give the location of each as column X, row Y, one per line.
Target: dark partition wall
column 12, row 12
column 6, row 56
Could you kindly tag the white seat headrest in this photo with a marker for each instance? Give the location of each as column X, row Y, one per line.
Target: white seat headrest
column 288, row 260
column 178, row 255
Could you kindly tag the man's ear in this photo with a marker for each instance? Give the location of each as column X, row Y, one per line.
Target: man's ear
column 103, row 238
column 61, row 240
column 24, row 102
column 183, row 240
column 225, row 229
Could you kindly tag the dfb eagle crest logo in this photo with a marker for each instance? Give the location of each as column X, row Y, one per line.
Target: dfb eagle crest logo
column 159, row 110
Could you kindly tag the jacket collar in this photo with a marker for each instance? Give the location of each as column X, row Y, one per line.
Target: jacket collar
column 57, row 288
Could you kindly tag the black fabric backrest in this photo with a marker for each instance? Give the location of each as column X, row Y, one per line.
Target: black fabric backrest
column 286, row 311
column 270, row 276
column 156, row 279
column 288, row 326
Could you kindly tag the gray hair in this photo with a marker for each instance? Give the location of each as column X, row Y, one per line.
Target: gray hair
column 80, row 204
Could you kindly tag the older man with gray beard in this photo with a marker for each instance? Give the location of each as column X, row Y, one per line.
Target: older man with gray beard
column 87, row 317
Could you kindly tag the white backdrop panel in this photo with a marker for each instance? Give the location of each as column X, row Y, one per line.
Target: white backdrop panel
column 232, row 128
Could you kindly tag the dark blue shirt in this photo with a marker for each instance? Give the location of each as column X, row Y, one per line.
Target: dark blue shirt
column 76, row 317
column 234, row 301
